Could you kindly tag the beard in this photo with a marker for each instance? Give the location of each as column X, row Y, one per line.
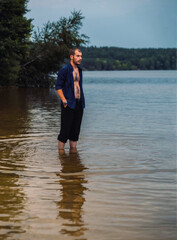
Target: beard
column 76, row 62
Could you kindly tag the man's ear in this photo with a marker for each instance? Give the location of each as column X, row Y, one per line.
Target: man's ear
column 71, row 57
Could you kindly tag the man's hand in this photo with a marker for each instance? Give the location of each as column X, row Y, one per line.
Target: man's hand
column 65, row 104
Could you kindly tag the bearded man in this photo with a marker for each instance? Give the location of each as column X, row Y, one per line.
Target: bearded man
column 70, row 91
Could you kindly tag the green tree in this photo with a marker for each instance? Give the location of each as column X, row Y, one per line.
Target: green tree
column 49, row 49
column 15, row 31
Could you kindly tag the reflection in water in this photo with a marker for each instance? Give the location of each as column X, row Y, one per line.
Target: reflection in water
column 73, row 182
column 11, row 193
column 14, row 113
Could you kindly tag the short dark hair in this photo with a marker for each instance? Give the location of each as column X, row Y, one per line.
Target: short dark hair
column 72, row 51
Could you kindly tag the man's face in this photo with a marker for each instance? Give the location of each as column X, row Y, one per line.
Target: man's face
column 77, row 58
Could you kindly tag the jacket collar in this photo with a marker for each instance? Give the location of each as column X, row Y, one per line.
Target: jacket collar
column 71, row 67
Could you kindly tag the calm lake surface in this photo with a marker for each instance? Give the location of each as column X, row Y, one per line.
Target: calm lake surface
column 120, row 185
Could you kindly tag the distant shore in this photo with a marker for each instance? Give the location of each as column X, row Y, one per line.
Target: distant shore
column 115, row 58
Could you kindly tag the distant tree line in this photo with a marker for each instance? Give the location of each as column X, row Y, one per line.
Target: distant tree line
column 114, row 58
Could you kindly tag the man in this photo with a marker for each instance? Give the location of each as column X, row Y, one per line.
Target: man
column 70, row 91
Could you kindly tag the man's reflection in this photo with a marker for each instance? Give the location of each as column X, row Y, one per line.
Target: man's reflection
column 73, row 183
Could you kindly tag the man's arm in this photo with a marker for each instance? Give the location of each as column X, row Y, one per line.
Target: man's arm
column 60, row 84
column 62, row 97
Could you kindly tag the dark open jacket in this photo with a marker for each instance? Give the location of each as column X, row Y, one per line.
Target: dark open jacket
column 65, row 82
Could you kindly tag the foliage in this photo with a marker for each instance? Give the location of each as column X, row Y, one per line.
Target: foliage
column 114, row 58
column 14, row 39
column 49, row 49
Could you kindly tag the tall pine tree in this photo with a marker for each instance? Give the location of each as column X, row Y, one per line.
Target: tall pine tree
column 15, row 31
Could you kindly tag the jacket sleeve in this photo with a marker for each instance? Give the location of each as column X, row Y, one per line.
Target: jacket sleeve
column 61, row 79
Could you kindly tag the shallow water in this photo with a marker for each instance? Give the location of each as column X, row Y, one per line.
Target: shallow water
column 120, row 184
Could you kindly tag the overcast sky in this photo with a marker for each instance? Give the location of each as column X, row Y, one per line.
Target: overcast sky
column 120, row 23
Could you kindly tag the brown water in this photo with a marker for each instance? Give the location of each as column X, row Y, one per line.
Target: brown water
column 112, row 188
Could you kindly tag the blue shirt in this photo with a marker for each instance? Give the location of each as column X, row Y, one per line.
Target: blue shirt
column 65, row 81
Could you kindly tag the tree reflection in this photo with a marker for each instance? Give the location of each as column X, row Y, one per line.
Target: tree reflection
column 72, row 180
column 12, row 196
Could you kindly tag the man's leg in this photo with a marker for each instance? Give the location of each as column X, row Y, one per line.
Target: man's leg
column 66, row 125
column 76, row 124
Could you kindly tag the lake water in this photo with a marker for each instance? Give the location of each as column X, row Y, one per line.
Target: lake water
column 120, row 185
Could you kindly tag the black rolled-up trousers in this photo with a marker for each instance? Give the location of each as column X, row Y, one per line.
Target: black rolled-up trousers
column 70, row 122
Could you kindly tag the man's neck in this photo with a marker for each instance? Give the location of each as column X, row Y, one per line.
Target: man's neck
column 74, row 65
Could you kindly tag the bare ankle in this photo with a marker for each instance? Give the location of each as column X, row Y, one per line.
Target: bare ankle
column 73, row 144
column 61, row 145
